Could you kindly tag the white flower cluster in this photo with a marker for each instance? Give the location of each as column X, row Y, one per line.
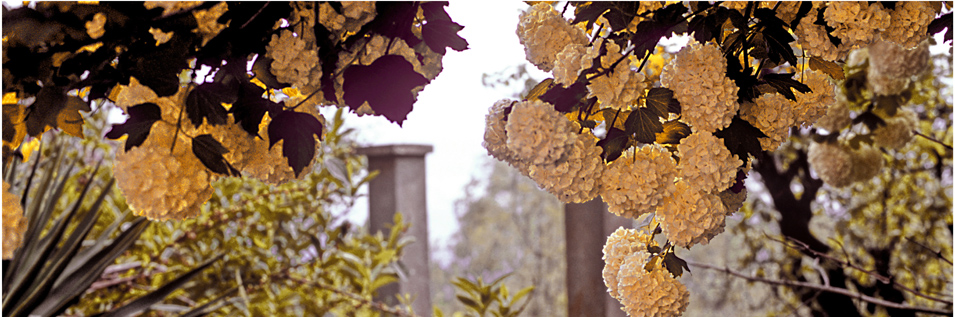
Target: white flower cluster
column 567, row 65
column 772, row 114
column 697, row 76
column 538, row 134
column 706, row 163
column 692, row 216
column 545, row 33
column 160, row 184
column 655, row 293
column 639, row 181
column 809, row 107
column 867, row 162
column 621, row 244
column 621, row 86
column 292, row 62
column 909, row 25
column 891, row 66
column 897, row 131
column 574, row 179
column 814, row 39
column 837, row 116
column 14, row 224
column 495, row 137
column 856, row 23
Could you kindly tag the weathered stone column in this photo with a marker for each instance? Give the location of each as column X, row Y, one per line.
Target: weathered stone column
column 587, row 227
column 400, row 187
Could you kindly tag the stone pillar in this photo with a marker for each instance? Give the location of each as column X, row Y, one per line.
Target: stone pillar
column 400, row 187
column 587, row 227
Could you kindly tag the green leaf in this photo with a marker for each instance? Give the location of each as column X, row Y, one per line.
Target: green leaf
column 673, row 132
column 144, row 302
column 675, row 264
column 643, row 124
column 468, row 302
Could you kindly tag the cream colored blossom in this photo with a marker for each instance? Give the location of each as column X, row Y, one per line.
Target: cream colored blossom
column 619, row 88
column 544, row 33
column 692, row 216
column 160, row 184
column 292, row 62
column 706, row 163
column 772, row 114
column 909, row 24
column 891, row 67
column 656, row 293
column 697, row 76
column 208, row 23
column 897, row 131
column 622, row 243
column 495, row 136
column 14, row 224
column 639, row 182
column 867, row 162
column 538, row 134
column 837, row 116
column 567, row 64
column 856, row 23
column 575, row 178
column 814, row 39
column 832, row 162
column 811, row 106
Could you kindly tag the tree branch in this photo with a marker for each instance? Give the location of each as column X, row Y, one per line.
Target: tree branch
column 824, row 288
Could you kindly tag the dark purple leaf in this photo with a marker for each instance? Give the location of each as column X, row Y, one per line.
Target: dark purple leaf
column 386, row 85
column 566, row 99
column 613, row 144
column 137, row 127
column 643, row 124
column 441, row 34
column 297, row 130
column 941, row 23
column 250, row 107
column 209, row 151
column 205, row 101
column 784, row 84
column 665, row 22
column 741, row 138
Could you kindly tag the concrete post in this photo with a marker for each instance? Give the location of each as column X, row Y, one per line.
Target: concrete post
column 400, row 187
column 587, row 227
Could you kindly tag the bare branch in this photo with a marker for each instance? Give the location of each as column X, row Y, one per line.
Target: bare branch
column 937, row 253
column 824, row 288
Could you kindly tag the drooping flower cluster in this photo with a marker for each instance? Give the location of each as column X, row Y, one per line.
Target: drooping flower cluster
column 576, row 177
column 639, row 181
column 837, row 116
column 909, row 25
column 567, row 65
column 160, row 184
column 814, row 39
column 811, row 106
column 355, row 14
column 706, row 163
column 538, row 134
column 292, row 63
column 772, row 114
column 897, row 131
column 14, row 224
column 891, row 67
column 692, row 216
column 856, row 23
column 621, row 86
column 697, row 76
column 621, row 244
column 649, row 293
column 832, row 162
column 544, row 33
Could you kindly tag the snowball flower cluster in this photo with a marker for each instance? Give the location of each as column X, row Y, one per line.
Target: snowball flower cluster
column 706, row 163
column 538, row 134
column 772, row 114
column 836, row 117
column 909, row 25
column 574, row 179
column 14, row 224
column 891, row 67
column 655, row 293
column 545, row 33
column 832, row 163
column 697, row 76
column 811, row 106
column 897, row 131
column 621, row 86
column 856, row 22
column 622, row 243
column 692, row 216
column 162, row 185
column 639, row 181
column 814, row 39
column 292, row 63
column 568, row 64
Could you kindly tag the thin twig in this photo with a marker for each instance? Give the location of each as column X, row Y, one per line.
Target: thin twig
column 937, row 253
column 823, row 288
column 933, row 140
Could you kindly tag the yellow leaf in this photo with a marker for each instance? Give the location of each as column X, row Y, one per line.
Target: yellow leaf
column 69, row 119
column 832, row 69
column 10, row 97
column 541, row 88
column 292, row 92
column 29, row 147
column 14, row 125
column 90, row 48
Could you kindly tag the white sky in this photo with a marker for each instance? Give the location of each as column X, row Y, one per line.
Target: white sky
column 449, row 113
